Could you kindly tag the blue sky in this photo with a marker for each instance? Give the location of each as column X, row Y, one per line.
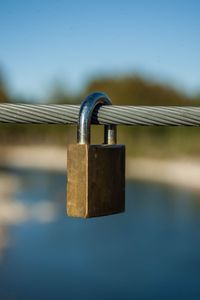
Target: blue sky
column 70, row 41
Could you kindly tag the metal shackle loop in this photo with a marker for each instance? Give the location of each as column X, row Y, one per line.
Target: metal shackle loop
column 85, row 116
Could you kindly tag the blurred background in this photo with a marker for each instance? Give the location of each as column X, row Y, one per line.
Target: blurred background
column 139, row 53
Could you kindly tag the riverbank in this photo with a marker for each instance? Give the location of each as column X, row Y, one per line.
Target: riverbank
column 183, row 172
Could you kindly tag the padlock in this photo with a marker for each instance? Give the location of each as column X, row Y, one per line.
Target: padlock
column 96, row 173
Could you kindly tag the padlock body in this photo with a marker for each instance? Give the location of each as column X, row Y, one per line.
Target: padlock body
column 96, row 180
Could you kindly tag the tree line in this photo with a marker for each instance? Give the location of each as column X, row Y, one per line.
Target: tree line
column 124, row 90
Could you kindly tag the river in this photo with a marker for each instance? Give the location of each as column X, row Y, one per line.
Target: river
column 152, row 251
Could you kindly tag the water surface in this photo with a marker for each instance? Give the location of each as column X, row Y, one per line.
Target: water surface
column 152, row 251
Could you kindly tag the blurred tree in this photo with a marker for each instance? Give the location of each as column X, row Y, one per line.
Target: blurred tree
column 3, row 89
column 134, row 90
column 59, row 94
column 196, row 98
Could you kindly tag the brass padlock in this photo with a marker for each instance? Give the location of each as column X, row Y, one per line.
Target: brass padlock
column 96, row 173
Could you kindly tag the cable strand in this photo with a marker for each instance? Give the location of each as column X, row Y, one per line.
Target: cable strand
column 112, row 114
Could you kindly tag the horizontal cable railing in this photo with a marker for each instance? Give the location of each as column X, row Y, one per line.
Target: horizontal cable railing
column 108, row 114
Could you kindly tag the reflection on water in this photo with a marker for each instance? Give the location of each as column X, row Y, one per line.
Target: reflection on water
column 150, row 252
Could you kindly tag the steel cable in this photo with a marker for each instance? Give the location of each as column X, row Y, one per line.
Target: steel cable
column 111, row 114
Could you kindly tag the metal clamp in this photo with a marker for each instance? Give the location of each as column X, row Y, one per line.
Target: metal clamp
column 85, row 115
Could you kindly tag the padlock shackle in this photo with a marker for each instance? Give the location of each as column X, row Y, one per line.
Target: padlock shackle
column 85, row 116
column 110, row 134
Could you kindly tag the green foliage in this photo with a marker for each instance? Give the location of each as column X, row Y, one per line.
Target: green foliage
column 3, row 89
column 128, row 90
column 60, row 95
column 134, row 90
